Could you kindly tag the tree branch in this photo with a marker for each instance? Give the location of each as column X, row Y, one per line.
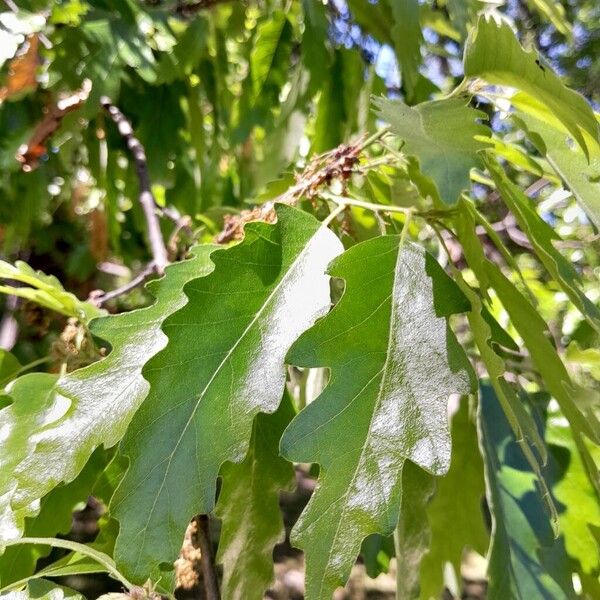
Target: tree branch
column 157, row 244
column 138, row 280
column 207, row 559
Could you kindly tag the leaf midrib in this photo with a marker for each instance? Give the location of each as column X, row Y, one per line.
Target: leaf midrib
column 211, row 380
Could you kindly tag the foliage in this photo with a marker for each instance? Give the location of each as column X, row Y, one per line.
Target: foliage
column 373, row 212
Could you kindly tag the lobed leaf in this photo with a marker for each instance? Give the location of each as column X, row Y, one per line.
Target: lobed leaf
column 455, row 514
column 249, row 508
column 412, row 535
column 96, row 402
column 541, row 236
column 223, row 365
column 34, row 407
column 394, row 362
column 580, row 175
column 525, row 560
column 575, row 406
column 441, row 135
column 493, row 53
column 55, row 517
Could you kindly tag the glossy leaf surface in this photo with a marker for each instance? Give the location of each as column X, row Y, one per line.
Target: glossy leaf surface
column 97, row 402
column 394, row 363
column 240, row 322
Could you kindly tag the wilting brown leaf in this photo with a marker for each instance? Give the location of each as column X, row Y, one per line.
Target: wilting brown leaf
column 30, row 153
column 21, row 70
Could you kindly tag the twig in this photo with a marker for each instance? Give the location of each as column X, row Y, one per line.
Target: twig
column 14, row 8
column 140, row 278
column 337, row 164
column 207, row 559
column 345, row 201
column 146, row 198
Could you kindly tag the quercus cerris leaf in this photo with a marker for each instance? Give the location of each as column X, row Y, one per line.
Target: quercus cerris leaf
column 249, row 508
column 224, row 364
column 33, row 407
column 55, row 517
column 455, row 515
column 569, row 162
column 441, row 135
column 534, row 331
column 412, row 536
column 541, row 236
column 97, row 401
column 493, row 53
column 520, row 420
column 394, row 362
column 525, row 559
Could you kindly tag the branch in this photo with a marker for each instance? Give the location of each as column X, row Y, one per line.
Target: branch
column 138, row 280
column 157, row 244
column 207, row 561
column 337, row 164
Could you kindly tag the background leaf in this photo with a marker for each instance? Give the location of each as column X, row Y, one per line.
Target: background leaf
column 441, row 135
column 493, row 53
column 455, row 514
column 525, row 561
column 249, row 508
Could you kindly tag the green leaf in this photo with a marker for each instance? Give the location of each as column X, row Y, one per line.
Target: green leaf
column 269, row 35
column 412, row 535
column 9, row 367
column 575, row 405
column 554, row 11
column 455, row 514
column 525, row 561
column 493, row 53
column 249, row 508
column 46, row 290
column 541, row 235
column 375, row 19
column 55, row 517
column 224, row 364
column 93, row 405
column 40, row 589
column 337, row 105
column 394, row 362
column 588, row 358
column 34, row 407
column 580, row 508
column 315, row 53
column 441, row 135
column 407, row 36
column 517, row 156
column 569, row 162
column 519, row 419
